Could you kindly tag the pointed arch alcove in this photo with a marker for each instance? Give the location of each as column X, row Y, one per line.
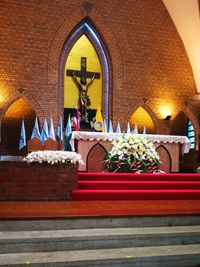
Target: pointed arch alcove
column 95, row 158
column 85, row 28
column 11, row 125
column 142, row 118
column 165, row 159
column 180, row 125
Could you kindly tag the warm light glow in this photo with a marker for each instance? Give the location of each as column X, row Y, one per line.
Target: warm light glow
column 185, row 15
column 165, row 111
column 4, row 92
column 19, row 109
column 142, row 118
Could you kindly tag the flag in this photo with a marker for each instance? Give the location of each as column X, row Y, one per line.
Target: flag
column 68, row 134
column 98, row 125
column 144, row 129
column 22, row 141
column 35, row 131
column 51, row 130
column 128, row 129
column 105, row 126
column 76, row 124
column 135, row 131
column 44, row 134
column 118, row 130
column 59, row 131
column 110, row 130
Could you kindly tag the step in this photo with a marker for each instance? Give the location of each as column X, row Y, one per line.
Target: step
column 154, row 256
column 124, row 185
column 134, row 194
column 59, row 240
column 99, row 222
column 139, row 177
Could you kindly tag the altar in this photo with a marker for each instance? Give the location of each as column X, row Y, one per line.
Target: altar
column 93, row 146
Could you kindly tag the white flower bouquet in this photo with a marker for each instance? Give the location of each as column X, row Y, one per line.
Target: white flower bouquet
column 132, row 153
column 53, row 157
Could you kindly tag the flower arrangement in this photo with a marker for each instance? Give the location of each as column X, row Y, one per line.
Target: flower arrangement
column 53, row 157
column 132, row 153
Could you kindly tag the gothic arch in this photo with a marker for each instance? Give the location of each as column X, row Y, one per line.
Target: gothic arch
column 146, row 107
column 33, row 103
column 190, row 115
column 11, row 125
column 95, row 158
column 86, row 28
column 165, row 159
column 194, row 121
column 54, row 79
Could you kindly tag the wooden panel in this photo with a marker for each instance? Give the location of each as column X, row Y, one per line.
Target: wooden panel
column 50, row 144
column 34, row 145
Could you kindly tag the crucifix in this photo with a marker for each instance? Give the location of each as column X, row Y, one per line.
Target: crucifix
column 83, row 74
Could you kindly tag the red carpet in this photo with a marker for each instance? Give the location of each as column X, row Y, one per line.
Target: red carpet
column 120, row 186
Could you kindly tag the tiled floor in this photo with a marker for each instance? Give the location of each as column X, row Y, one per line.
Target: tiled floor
column 59, row 209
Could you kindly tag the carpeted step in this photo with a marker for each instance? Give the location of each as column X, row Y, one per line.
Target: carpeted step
column 142, row 185
column 134, row 194
column 138, row 177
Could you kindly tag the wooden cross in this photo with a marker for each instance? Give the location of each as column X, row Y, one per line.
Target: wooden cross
column 83, row 73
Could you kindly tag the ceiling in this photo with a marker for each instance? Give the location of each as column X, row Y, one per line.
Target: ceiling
column 185, row 15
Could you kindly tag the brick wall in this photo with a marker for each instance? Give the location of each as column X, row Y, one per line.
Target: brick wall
column 147, row 59
column 21, row 181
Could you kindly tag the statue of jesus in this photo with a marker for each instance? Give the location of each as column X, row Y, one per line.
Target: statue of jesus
column 84, row 100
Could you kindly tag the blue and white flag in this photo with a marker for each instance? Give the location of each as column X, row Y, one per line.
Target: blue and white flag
column 105, row 126
column 35, row 131
column 68, row 134
column 51, row 130
column 59, row 131
column 135, row 131
column 128, row 129
column 144, row 130
column 118, row 130
column 44, row 134
column 110, row 130
column 22, row 141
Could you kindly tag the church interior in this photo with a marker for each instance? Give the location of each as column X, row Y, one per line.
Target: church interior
column 139, row 61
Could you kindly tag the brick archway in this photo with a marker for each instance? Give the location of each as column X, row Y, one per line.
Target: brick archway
column 11, row 125
column 54, row 78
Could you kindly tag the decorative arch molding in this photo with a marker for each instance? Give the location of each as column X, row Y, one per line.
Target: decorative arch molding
column 54, row 76
column 165, row 156
column 99, row 151
column 147, row 109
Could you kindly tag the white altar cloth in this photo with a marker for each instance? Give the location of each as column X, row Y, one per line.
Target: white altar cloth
column 99, row 136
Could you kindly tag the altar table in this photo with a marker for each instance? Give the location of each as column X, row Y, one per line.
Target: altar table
column 174, row 145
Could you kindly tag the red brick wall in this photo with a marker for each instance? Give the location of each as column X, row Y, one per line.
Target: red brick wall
column 147, row 58
column 21, row 181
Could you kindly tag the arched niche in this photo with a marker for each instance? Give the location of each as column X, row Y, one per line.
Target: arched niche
column 11, row 126
column 142, row 118
column 95, row 158
column 86, row 28
column 165, row 159
column 179, row 124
